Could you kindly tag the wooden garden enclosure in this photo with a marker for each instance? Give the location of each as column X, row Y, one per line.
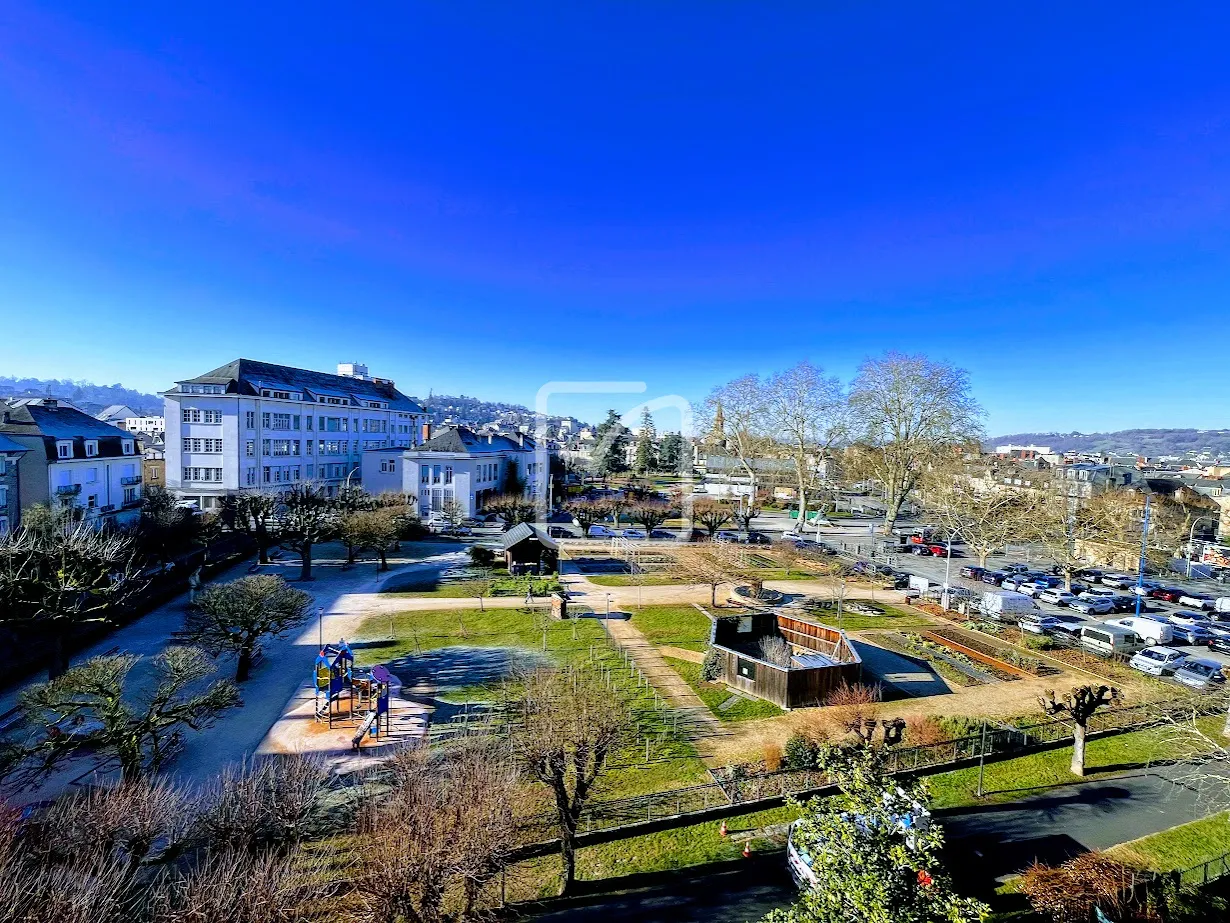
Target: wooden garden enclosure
column 822, row 658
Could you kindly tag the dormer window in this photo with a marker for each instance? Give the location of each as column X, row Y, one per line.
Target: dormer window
column 64, row 450
column 91, row 448
column 128, row 446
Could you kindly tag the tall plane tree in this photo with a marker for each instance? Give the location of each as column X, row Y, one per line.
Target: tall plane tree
column 910, row 413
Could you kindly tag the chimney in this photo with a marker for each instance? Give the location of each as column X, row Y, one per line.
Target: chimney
column 520, row 442
column 425, row 432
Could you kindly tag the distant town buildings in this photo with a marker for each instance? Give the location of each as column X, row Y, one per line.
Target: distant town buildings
column 252, row 425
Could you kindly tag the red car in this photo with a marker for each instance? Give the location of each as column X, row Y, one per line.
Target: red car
column 941, row 551
column 1169, row 593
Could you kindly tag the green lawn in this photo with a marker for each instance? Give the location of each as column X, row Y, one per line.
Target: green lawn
column 1178, row 848
column 679, row 626
column 893, row 618
column 633, row 580
column 714, row 694
column 430, row 586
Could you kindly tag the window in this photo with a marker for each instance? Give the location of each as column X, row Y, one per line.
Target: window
column 389, row 466
column 91, row 476
column 448, row 474
column 435, row 474
column 128, row 446
column 249, row 448
column 193, row 444
column 250, row 419
column 91, row 448
column 745, row 668
column 64, row 450
column 268, row 472
column 249, row 476
column 130, row 495
column 424, row 474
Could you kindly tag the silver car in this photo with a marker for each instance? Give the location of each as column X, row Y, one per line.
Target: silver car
column 1157, row 661
column 1200, row 674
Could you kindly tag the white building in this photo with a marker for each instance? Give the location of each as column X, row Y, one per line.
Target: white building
column 73, row 459
column 256, row 426
column 458, row 464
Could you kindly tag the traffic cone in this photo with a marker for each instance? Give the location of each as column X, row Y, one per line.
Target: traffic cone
column 722, row 829
column 747, row 850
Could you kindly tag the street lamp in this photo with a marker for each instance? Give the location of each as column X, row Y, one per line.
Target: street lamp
column 1144, row 547
column 1191, row 538
column 320, row 627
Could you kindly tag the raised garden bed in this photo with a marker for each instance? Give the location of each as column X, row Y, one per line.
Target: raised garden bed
column 998, row 657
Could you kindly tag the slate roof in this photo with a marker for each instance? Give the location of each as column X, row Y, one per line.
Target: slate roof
column 463, row 441
column 55, row 421
column 248, row 377
column 8, row 445
column 523, row 531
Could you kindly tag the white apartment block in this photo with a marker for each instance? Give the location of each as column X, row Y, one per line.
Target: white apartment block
column 72, row 459
column 251, row 426
column 458, row 465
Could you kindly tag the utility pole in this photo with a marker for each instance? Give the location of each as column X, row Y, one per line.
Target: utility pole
column 1144, row 547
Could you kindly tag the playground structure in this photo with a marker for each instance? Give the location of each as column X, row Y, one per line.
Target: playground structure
column 366, row 694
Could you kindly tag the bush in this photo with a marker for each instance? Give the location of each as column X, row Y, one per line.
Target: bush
column 482, row 557
column 1039, row 643
column 801, row 752
column 772, row 757
column 711, row 667
column 855, row 694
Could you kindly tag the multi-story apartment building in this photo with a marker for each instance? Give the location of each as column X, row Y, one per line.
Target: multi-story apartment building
column 10, row 493
column 252, row 425
column 73, row 459
column 458, row 465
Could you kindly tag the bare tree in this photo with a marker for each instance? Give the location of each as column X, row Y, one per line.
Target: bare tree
column 256, row 515
column 1079, row 705
column 909, row 412
column 233, row 886
column 235, row 616
column 808, row 413
column 570, row 726
column 650, row 513
column 58, row 574
column 309, row 517
column 587, row 512
column 712, row 564
column 269, row 803
column 512, row 508
column 90, row 709
column 738, row 412
column 986, row 519
column 712, row 514
column 432, row 845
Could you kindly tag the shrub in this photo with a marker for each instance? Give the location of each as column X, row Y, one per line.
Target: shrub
column 924, row 730
column 777, row 651
column 1071, row 891
column 711, row 666
column 801, row 752
column 772, row 757
column 1039, row 643
column 855, row 694
column 481, row 557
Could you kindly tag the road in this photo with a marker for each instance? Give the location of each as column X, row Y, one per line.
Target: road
column 985, row 843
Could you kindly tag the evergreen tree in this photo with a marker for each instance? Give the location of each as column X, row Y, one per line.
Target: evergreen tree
column 670, row 453
column 646, row 459
column 610, row 453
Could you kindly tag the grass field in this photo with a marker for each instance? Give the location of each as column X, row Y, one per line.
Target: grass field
column 714, row 694
column 633, row 579
column 679, row 626
column 1178, row 848
column 430, row 585
column 893, row 618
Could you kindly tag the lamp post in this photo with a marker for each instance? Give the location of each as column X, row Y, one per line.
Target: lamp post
column 1191, row 538
column 320, row 627
column 349, row 475
column 1144, row 547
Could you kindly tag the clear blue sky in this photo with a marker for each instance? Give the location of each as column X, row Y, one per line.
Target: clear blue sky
column 483, row 197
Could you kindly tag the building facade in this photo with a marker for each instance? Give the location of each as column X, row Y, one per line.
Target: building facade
column 10, row 487
column 73, row 460
column 250, row 426
column 458, row 465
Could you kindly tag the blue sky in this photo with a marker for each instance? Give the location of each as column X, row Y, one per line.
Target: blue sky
column 486, row 197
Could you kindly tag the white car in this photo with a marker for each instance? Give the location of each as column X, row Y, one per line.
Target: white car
column 1200, row 673
column 1119, row 581
column 1187, row 619
column 597, row 531
column 1157, row 661
column 632, row 533
column 1056, row 597
column 1098, row 592
column 1038, row 624
column 1199, row 601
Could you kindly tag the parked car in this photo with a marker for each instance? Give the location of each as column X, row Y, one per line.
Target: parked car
column 1006, row 606
column 758, row 538
column 1092, row 574
column 1145, row 588
column 972, row 571
column 1170, row 594
column 1193, row 634
column 1033, row 588
column 1125, row 603
column 994, row 577
column 1091, row 606
column 1200, row 673
column 1069, row 630
column 1118, row 581
column 1014, row 582
column 1056, row 597
column 791, row 535
column 1152, row 630
column 725, row 535
column 662, row 533
column 1037, row 623
column 1198, row 601
column 1188, row 618
column 1106, row 639
column 560, row 532
column 632, row 533
column 1157, row 661
column 942, row 551
column 1016, row 568
column 600, row 531
column 920, row 550
column 1098, row 592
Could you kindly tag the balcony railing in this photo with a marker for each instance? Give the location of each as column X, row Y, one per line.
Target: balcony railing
column 131, row 480
column 66, row 490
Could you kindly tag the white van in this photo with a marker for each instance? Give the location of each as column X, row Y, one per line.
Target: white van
column 1152, row 630
column 1107, row 639
column 1006, row 606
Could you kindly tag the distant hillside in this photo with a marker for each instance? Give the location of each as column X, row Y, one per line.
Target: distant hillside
column 85, row 394
column 475, row 412
column 1149, row 442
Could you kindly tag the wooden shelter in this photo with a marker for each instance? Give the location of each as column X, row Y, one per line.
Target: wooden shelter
column 528, row 549
column 821, row 658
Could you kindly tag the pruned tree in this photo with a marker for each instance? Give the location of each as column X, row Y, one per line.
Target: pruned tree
column 377, row 530
column 617, row 504
column 353, row 498
column 569, row 728
column 92, row 709
column 712, row 564
column 59, row 574
column 587, row 512
column 746, row 510
column 444, row 832
column 270, row 803
column 650, row 513
column 808, row 414
column 882, row 868
column 908, row 413
column 234, row 617
column 712, row 514
column 256, row 515
column 513, row 509
column 348, row 530
column 309, row 517
column 1079, row 705
column 165, row 528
